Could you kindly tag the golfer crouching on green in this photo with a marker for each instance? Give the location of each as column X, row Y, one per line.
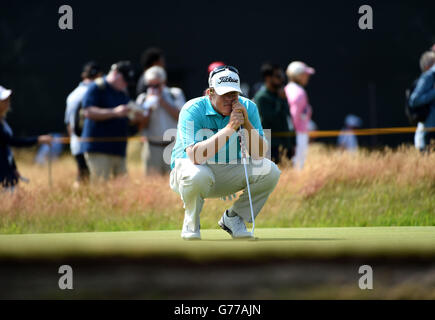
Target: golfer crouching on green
column 206, row 159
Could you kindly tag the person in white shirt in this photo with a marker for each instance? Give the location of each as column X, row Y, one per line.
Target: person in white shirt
column 161, row 106
column 91, row 71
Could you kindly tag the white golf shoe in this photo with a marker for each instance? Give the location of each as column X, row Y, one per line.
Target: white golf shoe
column 187, row 234
column 234, row 226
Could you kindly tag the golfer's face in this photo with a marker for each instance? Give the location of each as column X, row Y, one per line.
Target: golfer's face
column 224, row 103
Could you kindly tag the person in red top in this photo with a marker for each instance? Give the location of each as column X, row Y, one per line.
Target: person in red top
column 300, row 109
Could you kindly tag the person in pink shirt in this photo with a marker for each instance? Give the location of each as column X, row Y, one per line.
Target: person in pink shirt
column 299, row 75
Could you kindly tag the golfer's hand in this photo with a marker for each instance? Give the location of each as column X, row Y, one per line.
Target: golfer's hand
column 239, row 108
column 236, row 119
column 45, row 139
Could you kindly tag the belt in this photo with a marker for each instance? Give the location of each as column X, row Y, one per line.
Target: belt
column 160, row 144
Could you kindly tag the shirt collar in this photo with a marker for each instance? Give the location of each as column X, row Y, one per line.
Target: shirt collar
column 209, row 110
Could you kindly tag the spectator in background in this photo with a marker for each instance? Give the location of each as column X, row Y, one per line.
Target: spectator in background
column 9, row 175
column 151, row 57
column 347, row 139
column 106, row 117
column 424, row 94
column 427, row 60
column 274, row 110
column 210, row 68
column 161, row 107
column 91, row 71
column 214, row 65
column 299, row 75
column 51, row 152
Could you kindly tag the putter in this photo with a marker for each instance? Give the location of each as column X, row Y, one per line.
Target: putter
column 245, row 165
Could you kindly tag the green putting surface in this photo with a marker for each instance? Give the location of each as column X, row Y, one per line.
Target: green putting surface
column 278, row 243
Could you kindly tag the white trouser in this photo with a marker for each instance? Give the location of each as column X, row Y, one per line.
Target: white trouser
column 301, row 150
column 419, row 136
column 194, row 183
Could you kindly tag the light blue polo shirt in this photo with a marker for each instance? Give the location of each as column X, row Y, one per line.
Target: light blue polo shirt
column 198, row 121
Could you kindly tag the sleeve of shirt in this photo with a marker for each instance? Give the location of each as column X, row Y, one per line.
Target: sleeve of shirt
column 188, row 127
column 91, row 98
column 299, row 102
column 140, row 100
column 298, row 105
column 180, row 100
column 11, row 140
column 254, row 118
column 424, row 92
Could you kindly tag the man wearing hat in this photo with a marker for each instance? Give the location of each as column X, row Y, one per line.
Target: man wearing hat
column 9, row 175
column 161, row 106
column 105, row 129
column 206, row 158
column 300, row 109
column 91, row 71
column 274, row 110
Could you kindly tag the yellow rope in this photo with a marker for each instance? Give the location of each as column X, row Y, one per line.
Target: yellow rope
column 314, row 134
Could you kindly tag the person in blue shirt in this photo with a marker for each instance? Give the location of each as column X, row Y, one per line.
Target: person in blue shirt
column 106, row 125
column 9, row 175
column 206, row 158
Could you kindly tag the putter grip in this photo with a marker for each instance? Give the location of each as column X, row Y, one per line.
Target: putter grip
column 242, row 142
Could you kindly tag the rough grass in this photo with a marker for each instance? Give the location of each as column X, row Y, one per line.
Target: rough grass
column 335, row 189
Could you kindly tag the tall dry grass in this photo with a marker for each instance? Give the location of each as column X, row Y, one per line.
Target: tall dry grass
column 388, row 187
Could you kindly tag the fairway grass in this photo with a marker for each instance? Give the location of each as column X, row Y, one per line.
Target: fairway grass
column 279, row 243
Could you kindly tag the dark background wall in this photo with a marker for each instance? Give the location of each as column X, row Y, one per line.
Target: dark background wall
column 42, row 63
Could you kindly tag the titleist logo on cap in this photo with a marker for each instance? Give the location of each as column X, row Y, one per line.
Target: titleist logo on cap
column 227, row 79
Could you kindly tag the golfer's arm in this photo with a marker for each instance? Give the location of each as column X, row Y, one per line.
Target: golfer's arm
column 257, row 145
column 204, row 150
column 99, row 114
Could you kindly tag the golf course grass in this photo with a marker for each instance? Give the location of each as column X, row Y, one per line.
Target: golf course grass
column 216, row 244
column 283, row 263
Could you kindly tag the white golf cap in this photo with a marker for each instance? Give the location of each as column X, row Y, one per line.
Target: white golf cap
column 224, row 81
column 297, row 67
column 4, row 93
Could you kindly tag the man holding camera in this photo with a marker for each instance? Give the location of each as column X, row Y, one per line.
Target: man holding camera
column 206, row 159
column 161, row 106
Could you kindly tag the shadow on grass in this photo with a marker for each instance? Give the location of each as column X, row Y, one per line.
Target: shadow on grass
column 299, row 239
column 276, row 239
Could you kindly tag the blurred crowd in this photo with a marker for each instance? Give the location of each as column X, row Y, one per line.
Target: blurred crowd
column 101, row 114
